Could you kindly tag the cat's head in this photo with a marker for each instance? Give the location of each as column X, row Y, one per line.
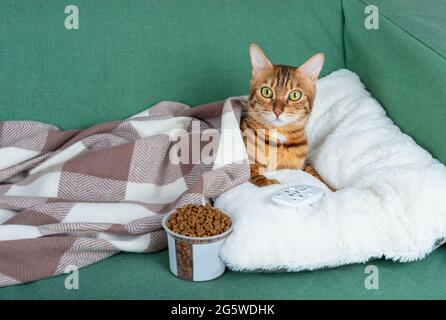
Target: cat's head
column 281, row 95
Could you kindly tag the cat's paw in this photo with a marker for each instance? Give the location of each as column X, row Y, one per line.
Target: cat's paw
column 262, row 181
column 270, row 182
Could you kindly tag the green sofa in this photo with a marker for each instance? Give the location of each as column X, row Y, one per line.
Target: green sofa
column 128, row 55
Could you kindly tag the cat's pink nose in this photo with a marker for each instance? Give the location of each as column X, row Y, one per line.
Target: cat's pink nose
column 277, row 112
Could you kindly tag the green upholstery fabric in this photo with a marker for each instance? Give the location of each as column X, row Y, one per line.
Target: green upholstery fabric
column 403, row 64
column 147, row 276
column 129, row 55
column 425, row 20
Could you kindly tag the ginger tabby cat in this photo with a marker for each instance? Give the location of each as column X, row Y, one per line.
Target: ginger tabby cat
column 279, row 106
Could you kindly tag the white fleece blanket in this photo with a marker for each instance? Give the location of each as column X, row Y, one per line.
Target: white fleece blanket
column 391, row 198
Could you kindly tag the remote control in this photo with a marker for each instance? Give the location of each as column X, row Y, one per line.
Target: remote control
column 297, row 196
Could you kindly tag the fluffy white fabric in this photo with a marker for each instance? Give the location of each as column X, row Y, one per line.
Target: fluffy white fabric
column 391, row 198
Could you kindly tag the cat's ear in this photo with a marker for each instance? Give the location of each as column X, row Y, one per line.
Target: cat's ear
column 313, row 66
column 259, row 61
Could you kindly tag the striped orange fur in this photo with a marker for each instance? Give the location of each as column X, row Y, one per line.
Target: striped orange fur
column 280, row 103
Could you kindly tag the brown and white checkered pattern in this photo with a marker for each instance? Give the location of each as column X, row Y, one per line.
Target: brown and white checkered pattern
column 76, row 197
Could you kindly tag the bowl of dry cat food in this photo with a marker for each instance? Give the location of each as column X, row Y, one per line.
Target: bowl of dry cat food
column 195, row 235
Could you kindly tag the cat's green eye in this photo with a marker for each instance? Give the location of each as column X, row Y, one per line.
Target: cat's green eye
column 266, row 92
column 295, row 95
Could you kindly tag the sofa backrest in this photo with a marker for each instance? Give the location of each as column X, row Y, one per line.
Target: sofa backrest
column 403, row 64
column 129, row 55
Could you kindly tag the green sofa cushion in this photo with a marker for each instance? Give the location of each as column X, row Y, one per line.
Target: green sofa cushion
column 403, row 64
column 129, row 55
column 425, row 20
column 147, row 276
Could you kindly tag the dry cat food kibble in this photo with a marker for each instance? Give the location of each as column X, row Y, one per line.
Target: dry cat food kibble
column 195, row 235
column 199, row 221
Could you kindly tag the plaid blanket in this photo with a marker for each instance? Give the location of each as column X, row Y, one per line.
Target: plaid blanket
column 72, row 198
